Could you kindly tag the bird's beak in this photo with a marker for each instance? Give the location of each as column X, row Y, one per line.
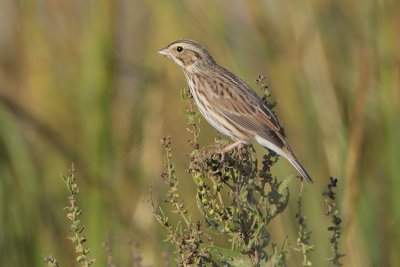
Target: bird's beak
column 164, row 52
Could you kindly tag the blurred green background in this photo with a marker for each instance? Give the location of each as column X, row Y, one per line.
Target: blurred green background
column 80, row 81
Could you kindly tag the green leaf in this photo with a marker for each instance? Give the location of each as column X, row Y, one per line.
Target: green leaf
column 229, row 256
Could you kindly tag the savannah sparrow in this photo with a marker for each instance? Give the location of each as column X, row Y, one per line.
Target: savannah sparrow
column 228, row 103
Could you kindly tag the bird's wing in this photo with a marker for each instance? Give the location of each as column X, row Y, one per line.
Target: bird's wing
column 241, row 105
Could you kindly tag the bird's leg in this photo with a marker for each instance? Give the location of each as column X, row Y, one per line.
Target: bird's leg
column 238, row 144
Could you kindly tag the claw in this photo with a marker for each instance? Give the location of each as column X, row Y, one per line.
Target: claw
column 222, row 156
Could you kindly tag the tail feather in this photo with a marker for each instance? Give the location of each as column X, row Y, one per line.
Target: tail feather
column 287, row 153
column 296, row 164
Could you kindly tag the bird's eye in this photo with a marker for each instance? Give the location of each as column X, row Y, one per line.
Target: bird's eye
column 179, row 49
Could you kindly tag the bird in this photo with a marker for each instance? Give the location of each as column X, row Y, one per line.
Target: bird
column 228, row 103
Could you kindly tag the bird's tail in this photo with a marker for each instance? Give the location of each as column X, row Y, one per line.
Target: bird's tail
column 286, row 152
column 296, row 164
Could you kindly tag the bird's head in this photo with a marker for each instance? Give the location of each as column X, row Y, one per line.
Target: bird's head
column 188, row 55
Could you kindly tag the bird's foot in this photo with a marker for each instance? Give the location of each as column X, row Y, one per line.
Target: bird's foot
column 223, row 151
